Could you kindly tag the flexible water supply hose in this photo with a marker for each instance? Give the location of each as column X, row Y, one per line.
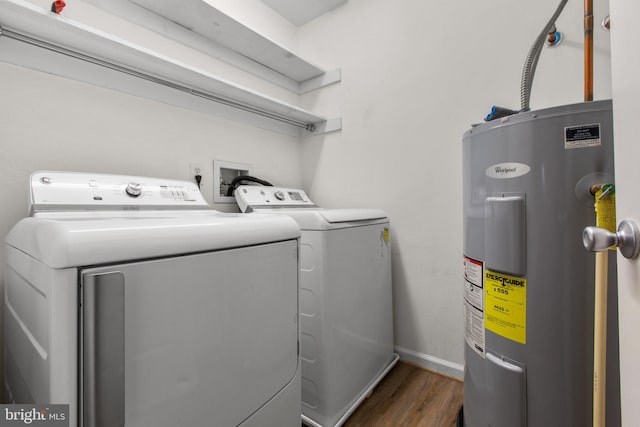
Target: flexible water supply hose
column 245, row 178
column 531, row 62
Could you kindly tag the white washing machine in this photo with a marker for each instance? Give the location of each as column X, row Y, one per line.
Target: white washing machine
column 133, row 302
column 346, row 315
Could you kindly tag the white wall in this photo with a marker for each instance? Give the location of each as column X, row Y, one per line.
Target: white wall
column 416, row 74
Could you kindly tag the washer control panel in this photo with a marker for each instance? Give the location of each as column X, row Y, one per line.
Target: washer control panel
column 67, row 191
column 133, row 189
column 250, row 197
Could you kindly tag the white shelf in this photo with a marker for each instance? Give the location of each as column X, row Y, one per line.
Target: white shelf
column 204, row 19
column 299, row 12
column 81, row 50
column 198, row 24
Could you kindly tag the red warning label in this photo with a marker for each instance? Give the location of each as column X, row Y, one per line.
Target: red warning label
column 473, row 304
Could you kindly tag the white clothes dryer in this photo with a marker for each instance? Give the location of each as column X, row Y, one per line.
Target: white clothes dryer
column 132, row 301
column 346, row 314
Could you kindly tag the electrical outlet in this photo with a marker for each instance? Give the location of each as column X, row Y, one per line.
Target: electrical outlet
column 196, row 169
column 223, row 174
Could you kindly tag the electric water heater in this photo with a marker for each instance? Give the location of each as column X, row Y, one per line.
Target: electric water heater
column 528, row 281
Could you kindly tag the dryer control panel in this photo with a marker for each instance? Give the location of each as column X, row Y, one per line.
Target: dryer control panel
column 73, row 191
column 251, row 197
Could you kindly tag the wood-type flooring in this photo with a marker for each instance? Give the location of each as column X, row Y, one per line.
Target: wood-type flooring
column 410, row 396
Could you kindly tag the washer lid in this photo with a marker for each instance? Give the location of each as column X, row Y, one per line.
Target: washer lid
column 83, row 240
column 330, row 219
column 334, row 216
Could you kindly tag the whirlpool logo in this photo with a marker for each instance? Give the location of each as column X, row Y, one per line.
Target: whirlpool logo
column 507, row 170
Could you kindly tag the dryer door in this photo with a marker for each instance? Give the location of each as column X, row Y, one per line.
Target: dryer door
column 196, row 340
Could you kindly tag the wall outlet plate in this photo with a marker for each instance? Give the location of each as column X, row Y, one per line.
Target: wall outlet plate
column 196, row 168
column 223, row 173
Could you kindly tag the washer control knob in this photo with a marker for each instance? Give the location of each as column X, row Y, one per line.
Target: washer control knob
column 279, row 195
column 133, row 189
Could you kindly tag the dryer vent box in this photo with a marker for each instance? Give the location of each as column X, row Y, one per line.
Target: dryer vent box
column 223, row 174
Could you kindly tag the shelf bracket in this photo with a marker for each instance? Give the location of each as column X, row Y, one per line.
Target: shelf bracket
column 328, row 126
column 326, row 79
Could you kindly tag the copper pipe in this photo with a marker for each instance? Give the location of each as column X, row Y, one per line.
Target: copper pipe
column 588, row 50
column 595, row 188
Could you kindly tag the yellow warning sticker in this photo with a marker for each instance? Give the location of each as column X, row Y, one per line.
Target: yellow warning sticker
column 386, row 235
column 505, row 305
column 606, row 209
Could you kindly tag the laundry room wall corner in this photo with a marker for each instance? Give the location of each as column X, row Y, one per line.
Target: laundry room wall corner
column 414, row 78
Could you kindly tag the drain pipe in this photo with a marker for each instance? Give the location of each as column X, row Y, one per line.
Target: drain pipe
column 602, row 258
column 600, row 340
column 600, row 239
column 605, row 218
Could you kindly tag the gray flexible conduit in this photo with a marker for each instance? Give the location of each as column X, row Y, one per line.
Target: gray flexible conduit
column 532, row 59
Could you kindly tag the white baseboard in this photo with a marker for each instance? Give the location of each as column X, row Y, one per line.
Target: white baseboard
column 432, row 363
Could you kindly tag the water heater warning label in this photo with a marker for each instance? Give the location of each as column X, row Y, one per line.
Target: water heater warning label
column 506, row 305
column 582, row 136
column 473, row 305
